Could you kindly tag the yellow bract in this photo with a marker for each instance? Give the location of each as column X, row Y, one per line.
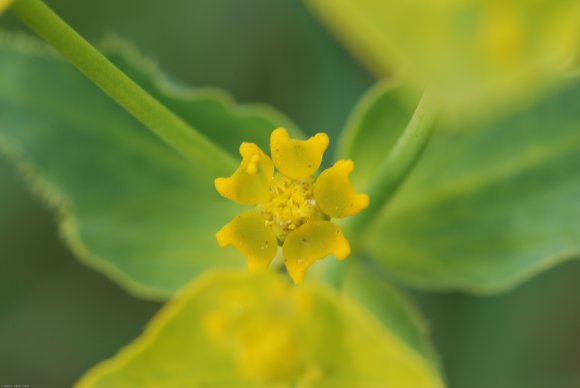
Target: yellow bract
column 293, row 209
column 250, row 184
column 310, row 242
column 4, row 4
column 297, row 159
column 334, row 192
column 248, row 233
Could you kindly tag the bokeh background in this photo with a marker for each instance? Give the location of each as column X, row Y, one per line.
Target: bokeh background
column 58, row 318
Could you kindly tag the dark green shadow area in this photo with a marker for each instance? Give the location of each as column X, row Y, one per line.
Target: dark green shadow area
column 528, row 338
column 57, row 317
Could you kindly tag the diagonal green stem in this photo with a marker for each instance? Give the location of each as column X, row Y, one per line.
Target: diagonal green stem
column 398, row 163
column 154, row 115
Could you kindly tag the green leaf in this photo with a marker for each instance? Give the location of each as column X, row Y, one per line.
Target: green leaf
column 487, row 207
column 476, row 55
column 128, row 205
column 244, row 329
column 214, row 112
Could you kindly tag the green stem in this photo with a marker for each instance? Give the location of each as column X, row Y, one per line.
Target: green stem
column 154, row 115
column 397, row 165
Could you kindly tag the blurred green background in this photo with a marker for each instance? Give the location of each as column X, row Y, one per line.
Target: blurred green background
column 57, row 317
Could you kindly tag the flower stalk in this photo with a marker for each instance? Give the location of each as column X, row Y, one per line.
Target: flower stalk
column 185, row 139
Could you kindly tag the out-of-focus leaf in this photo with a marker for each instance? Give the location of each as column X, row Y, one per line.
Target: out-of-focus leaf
column 243, row 329
column 476, row 54
column 488, row 207
column 129, row 205
column 372, row 129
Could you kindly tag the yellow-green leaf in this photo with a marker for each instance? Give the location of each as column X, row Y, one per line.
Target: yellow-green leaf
column 244, row 329
column 476, row 54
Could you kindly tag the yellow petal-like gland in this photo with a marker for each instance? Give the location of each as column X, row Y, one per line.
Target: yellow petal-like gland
column 297, row 159
column 4, row 4
column 334, row 193
column 312, row 241
column 249, row 235
column 250, row 183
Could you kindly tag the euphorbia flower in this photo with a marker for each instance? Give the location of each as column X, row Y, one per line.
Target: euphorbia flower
column 4, row 4
column 293, row 208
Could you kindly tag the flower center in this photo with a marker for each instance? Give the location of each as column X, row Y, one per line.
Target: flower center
column 291, row 205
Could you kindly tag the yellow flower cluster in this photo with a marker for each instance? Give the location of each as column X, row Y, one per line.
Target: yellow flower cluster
column 293, row 209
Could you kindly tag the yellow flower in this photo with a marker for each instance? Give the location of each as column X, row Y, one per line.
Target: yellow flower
column 293, row 209
column 4, row 4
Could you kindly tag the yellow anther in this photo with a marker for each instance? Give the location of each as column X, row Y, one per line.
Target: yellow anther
column 291, row 205
column 297, row 159
column 335, row 194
